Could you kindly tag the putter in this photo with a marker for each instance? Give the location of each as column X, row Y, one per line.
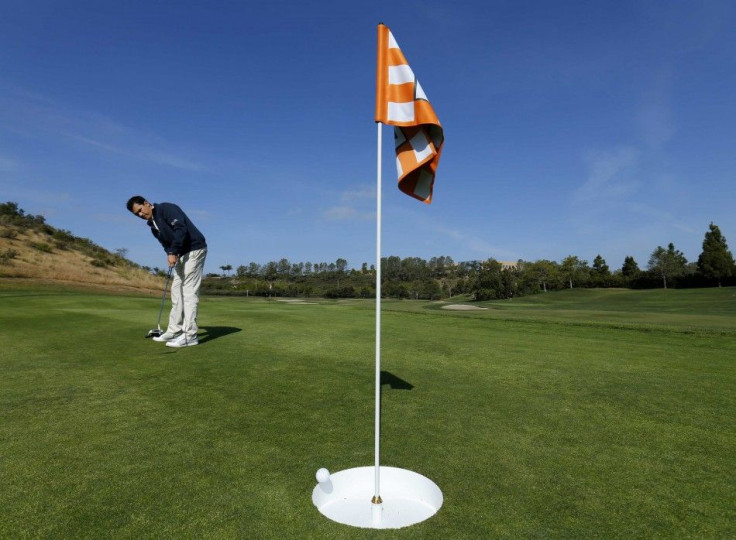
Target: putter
column 155, row 332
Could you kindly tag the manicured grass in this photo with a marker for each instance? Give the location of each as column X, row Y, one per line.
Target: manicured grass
column 701, row 310
column 573, row 414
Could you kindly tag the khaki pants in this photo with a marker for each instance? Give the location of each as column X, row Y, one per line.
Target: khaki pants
column 185, row 293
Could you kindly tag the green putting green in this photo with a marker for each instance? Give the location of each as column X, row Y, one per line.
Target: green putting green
column 570, row 414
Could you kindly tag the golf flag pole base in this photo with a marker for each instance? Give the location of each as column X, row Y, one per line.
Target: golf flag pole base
column 347, row 497
column 376, row 513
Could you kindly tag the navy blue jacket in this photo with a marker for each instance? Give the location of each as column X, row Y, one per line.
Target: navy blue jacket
column 174, row 230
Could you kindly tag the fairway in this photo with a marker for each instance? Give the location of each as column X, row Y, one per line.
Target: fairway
column 573, row 414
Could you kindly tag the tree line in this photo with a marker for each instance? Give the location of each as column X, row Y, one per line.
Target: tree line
column 441, row 277
column 413, row 277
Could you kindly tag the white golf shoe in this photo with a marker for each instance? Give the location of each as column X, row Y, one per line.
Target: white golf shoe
column 182, row 341
column 166, row 336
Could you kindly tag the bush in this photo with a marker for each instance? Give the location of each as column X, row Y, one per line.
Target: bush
column 394, row 289
column 63, row 239
column 485, row 294
column 7, row 256
column 341, row 292
column 42, row 246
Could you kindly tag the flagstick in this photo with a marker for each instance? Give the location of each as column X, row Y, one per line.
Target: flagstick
column 377, row 494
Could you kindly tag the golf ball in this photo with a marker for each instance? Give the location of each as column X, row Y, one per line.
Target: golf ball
column 323, row 475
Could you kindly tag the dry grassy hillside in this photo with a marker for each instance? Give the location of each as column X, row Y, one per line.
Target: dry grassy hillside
column 47, row 256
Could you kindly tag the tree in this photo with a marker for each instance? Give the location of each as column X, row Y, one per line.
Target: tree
column 270, row 270
column 226, row 268
column 390, row 268
column 254, row 269
column 543, row 272
column 413, row 268
column 11, row 214
column 573, row 268
column 494, row 282
column 667, row 263
column 440, row 267
column 715, row 262
column 630, row 269
column 11, row 209
column 283, row 269
column 600, row 272
column 395, row 289
column 448, row 284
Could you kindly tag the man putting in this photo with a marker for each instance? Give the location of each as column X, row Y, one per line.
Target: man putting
column 186, row 250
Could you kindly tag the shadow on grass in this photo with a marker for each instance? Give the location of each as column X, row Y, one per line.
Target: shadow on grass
column 395, row 382
column 214, row 332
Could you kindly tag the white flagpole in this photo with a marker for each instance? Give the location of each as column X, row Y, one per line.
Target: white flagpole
column 377, row 492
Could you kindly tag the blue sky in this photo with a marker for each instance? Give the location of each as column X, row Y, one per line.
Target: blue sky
column 572, row 128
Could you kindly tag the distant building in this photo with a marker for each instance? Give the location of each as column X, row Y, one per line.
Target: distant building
column 509, row 265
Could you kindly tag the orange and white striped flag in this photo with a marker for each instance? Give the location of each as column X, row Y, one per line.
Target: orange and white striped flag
column 401, row 102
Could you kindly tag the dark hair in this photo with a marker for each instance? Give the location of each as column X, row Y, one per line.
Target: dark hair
column 135, row 199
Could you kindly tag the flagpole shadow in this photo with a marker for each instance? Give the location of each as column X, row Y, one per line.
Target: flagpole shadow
column 395, row 382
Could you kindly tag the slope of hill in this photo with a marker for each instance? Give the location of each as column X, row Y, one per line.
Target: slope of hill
column 31, row 250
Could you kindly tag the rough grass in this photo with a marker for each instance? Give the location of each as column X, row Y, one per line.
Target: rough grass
column 531, row 423
column 36, row 259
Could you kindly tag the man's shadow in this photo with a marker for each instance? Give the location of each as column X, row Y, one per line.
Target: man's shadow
column 214, row 332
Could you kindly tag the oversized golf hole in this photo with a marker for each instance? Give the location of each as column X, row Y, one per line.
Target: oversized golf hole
column 346, row 497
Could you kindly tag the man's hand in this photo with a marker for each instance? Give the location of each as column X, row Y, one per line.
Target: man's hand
column 173, row 258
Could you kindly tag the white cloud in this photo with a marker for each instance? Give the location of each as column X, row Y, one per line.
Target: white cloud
column 659, row 217
column 362, row 193
column 611, row 176
column 42, row 200
column 657, row 125
column 171, row 160
column 39, row 118
column 344, row 212
column 476, row 244
column 655, row 113
column 354, row 205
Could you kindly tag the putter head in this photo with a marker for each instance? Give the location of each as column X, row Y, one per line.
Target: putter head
column 154, row 333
